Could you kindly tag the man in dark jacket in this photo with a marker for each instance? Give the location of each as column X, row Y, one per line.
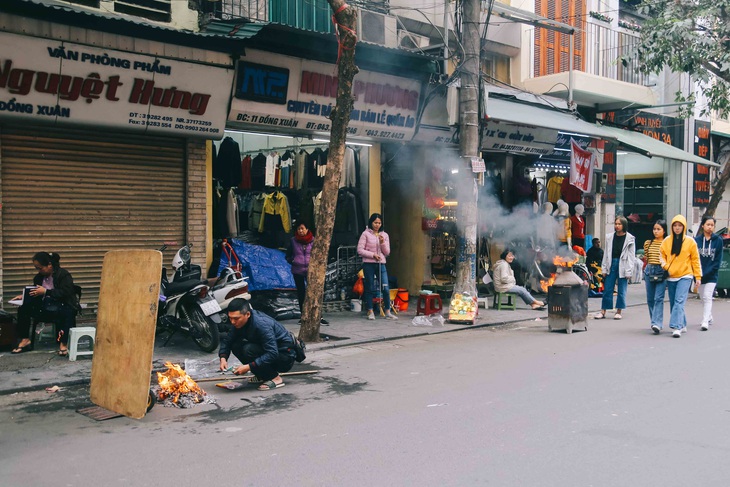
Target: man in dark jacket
column 261, row 343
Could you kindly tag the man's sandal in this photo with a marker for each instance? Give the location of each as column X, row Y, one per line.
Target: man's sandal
column 270, row 385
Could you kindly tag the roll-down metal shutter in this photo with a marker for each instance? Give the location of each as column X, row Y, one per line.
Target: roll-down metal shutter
column 82, row 193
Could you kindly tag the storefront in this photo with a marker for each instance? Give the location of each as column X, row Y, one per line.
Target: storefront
column 275, row 150
column 100, row 150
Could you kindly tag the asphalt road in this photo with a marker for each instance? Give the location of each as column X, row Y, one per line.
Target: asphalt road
column 504, row 406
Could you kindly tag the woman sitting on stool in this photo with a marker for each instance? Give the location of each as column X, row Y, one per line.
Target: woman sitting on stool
column 505, row 282
column 52, row 299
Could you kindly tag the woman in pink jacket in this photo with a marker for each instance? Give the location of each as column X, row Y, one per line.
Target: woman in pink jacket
column 374, row 247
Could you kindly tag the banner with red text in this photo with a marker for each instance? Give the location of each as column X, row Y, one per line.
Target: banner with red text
column 581, row 167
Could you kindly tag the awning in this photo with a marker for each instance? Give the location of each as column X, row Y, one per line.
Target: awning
column 519, row 113
column 651, row 147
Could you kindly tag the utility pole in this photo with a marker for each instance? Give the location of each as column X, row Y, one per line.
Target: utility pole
column 463, row 308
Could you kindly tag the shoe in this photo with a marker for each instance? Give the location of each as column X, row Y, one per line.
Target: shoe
column 655, row 329
column 684, row 330
column 324, row 322
column 23, row 349
column 710, row 322
column 63, row 353
column 391, row 316
column 371, row 315
column 705, row 326
column 617, row 316
column 599, row 316
column 677, row 333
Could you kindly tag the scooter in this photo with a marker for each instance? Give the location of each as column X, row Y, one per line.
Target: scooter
column 186, row 305
column 229, row 285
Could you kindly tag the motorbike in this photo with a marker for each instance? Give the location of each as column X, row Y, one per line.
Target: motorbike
column 229, row 285
column 186, row 304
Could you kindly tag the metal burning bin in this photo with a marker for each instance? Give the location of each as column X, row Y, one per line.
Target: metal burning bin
column 567, row 302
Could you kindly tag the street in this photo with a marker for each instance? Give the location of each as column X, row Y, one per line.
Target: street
column 510, row 405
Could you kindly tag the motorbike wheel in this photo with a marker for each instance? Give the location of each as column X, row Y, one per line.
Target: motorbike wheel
column 151, row 400
column 208, row 335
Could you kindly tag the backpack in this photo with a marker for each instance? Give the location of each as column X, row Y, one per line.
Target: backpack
column 300, row 348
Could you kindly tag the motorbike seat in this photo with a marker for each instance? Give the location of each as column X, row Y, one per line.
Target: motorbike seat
column 175, row 287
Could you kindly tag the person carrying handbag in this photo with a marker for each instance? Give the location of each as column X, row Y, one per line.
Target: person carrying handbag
column 654, row 276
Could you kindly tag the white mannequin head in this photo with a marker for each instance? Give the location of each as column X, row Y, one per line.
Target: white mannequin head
column 563, row 208
column 579, row 210
column 546, row 208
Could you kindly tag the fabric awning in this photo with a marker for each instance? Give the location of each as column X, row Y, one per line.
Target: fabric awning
column 519, row 113
column 651, row 147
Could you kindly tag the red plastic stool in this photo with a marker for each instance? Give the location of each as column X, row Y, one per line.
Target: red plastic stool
column 428, row 304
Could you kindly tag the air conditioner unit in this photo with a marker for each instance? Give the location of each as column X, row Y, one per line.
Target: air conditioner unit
column 406, row 40
column 377, row 28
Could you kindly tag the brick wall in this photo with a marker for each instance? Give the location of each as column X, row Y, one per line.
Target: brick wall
column 197, row 215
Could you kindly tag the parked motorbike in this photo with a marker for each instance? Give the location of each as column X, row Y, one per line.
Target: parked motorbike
column 186, row 304
column 229, row 285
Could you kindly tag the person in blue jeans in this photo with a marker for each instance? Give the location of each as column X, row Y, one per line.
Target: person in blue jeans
column 617, row 267
column 681, row 259
column 656, row 285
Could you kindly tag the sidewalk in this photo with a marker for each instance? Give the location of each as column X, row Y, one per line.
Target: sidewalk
column 43, row 368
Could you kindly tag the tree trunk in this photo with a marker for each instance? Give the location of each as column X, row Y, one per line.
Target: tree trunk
column 469, row 148
column 724, row 160
column 346, row 70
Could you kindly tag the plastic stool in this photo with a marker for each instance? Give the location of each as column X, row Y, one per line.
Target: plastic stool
column 483, row 301
column 428, row 304
column 500, row 303
column 74, row 335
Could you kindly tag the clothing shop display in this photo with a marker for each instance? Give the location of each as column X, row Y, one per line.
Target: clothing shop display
column 569, row 193
column 227, row 168
column 554, row 187
column 258, row 172
column 245, row 173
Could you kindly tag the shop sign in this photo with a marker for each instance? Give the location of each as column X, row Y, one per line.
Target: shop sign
column 609, row 171
column 665, row 129
column 285, row 93
column 561, row 152
column 581, row 167
column 43, row 80
column 701, row 177
column 516, row 138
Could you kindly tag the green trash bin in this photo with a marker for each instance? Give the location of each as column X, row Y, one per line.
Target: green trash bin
column 723, row 275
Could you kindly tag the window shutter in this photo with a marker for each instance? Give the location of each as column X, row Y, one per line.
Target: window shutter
column 552, row 49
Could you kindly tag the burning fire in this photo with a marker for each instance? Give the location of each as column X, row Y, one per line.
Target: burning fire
column 560, row 261
column 174, row 383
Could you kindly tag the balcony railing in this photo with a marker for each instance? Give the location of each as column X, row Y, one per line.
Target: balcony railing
column 603, row 51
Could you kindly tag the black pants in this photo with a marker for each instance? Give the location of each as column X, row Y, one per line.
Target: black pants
column 580, row 242
column 300, row 281
column 64, row 319
column 247, row 352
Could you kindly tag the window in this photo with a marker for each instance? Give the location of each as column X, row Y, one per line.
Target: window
column 552, row 49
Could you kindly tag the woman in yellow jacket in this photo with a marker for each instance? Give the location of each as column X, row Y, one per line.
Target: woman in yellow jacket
column 680, row 258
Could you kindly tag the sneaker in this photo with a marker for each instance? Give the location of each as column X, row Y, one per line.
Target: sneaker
column 684, row 330
column 371, row 315
column 655, row 329
column 391, row 316
column 677, row 333
column 324, row 322
column 710, row 322
column 705, row 326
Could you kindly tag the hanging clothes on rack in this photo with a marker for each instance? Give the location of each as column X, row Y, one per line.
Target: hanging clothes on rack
column 245, row 173
column 286, row 162
column 258, row 172
column 275, row 220
column 272, row 163
column 232, row 213
column 257, row 209
column 554, row 185
column 228, row 163
column 348, row 178
column 300, row 171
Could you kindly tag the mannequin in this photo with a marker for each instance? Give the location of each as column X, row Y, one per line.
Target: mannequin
column 578, row 227
column 563, row 230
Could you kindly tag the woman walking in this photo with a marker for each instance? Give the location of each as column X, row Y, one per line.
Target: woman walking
column 681, row 260
column 374, row 247
column 710, row 249
column 617, row 267
column 654, row 278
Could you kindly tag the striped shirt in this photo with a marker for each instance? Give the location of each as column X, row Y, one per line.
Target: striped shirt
column 651, row 251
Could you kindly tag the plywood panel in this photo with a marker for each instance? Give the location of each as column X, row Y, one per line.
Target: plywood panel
column 125, row 334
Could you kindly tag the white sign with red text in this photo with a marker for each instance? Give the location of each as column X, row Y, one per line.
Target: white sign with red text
column 42, row 80
column 284, row 93
column 581, row 167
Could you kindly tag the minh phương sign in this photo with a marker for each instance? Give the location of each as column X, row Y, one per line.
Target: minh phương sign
column 284, row 93
column 43, row 80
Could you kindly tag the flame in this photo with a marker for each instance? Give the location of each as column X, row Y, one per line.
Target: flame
column 175, row 382
column 545, row 284
column 561, row 261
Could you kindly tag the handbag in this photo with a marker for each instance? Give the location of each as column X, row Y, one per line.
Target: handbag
column 50, row 305
column 300, row 348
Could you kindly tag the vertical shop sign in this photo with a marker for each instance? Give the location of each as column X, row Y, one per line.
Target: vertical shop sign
column 609, row 172
column 701, row 180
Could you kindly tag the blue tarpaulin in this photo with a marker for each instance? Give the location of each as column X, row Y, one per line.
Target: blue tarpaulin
column 265, row 268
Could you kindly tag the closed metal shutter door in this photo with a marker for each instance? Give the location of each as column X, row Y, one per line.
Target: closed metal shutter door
column 82, row 193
